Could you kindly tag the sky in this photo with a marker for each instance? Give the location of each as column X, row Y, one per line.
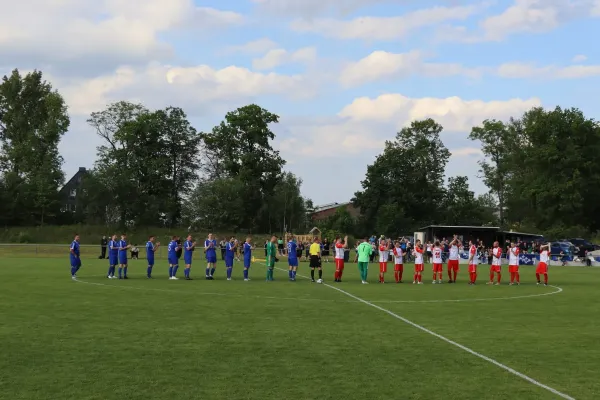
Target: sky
column 343, row 75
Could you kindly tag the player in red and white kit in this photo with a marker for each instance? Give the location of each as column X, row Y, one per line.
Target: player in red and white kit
column 384, row 254
column 513, row 264
column 418, row 253
column 398, row 262
column 453, row 260
column 542, row 268
column 473, row 261
column 496, row 267
column 340, row 248
column 437, row 262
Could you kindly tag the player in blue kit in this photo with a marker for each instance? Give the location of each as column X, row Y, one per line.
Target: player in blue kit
column 230, row 250
column 172, row 257
column 292, row 248
column 74, row 256
column 150, row 250
column 123, row 247
column 210, row 249
column 113, row 256
column 247, row 257
column 188, row 251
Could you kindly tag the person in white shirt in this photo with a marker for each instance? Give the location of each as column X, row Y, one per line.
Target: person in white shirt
column 513, row 264
column 495, row 269
column 429, row 250
column 418, row 253
column 437, row 262
column 398, row 262
column 473, row 262
column 542, row 267
column 384, row 254
column 453, row 260
column 340, row 249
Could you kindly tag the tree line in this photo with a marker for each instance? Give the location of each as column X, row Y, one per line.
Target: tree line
column 154, row 168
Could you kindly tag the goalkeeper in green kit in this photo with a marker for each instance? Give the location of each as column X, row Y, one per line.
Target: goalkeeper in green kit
column 364, row 251
column 271, row 257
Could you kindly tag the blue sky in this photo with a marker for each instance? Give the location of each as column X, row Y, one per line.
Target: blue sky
column 344, row 76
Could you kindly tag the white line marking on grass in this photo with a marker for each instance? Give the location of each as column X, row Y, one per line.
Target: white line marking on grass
column 449, row 341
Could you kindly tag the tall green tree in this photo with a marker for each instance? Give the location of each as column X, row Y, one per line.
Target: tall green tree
column 497, row 145
column 406, row 182
column 240, row 147
column 460, row 205
column 33, row 119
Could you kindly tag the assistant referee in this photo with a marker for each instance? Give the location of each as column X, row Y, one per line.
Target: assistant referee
column 315, row 259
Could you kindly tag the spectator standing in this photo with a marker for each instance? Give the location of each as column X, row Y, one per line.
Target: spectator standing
column 135, row 252
column 223, row 246
column 103, row 245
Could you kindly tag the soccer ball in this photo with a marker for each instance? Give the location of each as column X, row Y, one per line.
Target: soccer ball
column 320, row 281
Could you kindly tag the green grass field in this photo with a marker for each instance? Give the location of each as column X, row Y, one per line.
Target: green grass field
column 161, row 339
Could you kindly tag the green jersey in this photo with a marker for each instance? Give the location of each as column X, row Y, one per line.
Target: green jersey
column 271, row 253
column 364, row 252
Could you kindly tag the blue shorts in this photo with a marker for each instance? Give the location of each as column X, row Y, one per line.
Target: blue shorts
column 293, row 262
column 246, row 263
column 212, row 259
column 75, row 262
column 229, row 262
column 123, row 259
column 151, row 262
column 188, row 261
column 173, row 261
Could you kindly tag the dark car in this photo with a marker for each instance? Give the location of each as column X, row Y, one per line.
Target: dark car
column 583, row 246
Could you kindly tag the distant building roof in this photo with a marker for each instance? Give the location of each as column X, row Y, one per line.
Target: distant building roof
column 522, row 233
column 462, row 227
column 329, row 206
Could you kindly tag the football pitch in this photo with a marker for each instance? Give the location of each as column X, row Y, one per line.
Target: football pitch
column 159, row 339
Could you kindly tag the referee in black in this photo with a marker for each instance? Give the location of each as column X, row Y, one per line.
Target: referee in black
column 315, row 259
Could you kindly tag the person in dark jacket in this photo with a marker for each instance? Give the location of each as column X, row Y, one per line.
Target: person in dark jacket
column 180, row 248
column 103, row 245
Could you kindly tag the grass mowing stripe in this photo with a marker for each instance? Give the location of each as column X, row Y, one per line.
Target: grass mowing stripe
column 449, row 341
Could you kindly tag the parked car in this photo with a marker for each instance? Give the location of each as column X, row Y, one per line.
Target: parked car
column 566, row 248
column 583, row 246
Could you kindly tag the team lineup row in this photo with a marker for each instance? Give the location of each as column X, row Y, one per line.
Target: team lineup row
column 118, row 257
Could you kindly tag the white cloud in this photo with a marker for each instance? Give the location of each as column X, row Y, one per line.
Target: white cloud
column 197, row 88
column 384, row 28
column 308, row 8
column 596, row 9
column 524, row 70
column 453, row 113
column 67, row 30
column 258, row 46
column 382, row 65
column 579, row 58
column 277, row 57
column 534, row 16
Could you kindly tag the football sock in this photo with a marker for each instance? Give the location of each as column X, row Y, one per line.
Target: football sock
column 396, row 276
column 545, row 278
column 454, row 273
column 120, row 272
column 229, row 270
column 518, row 277
column 312, row 274
column 290, row 274
column 499, row 277
column 450, row 274
column 537, row 277
column 170, row 272
column 400, row 273
column 294, row 274
column 207, row 271
column 125, row 272
column 212, row 271
column 245, row 273
column 320, row 274
column 149, row 272
column 73, row 270
column 175, row 268
column 415, row 278
column 420, row 277
column 109, row 269
column 491, row 277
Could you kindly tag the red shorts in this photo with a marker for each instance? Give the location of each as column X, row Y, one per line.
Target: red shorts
column 382, row 267
column 453, row 265
column 437, row 267
column 513, row 268
column 399, row 267
column 339, row 264
column 472, row 268
column 495, row 268
column 418, row 267
column 542, row 268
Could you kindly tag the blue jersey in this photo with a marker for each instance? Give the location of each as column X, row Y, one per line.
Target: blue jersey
column 229, row 253
column 74, row 249
column 188, row 249
column 172, row 250
column 211, row 251
column 113, row 248
column 122, row 248
column 292, row 247
column 150, row 250
column 247, row 251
